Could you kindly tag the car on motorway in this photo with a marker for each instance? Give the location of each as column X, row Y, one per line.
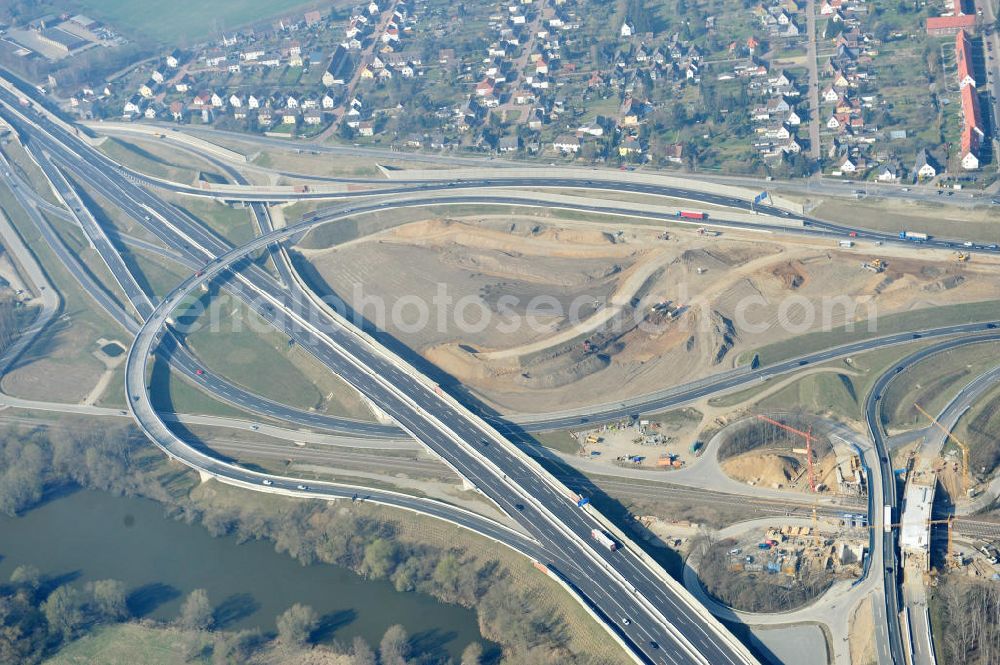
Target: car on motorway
column 199, row 372
column 302, row 487
column 266, row 482
column 626, row 621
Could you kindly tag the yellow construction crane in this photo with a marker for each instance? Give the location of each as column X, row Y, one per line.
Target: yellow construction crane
column 964, row 448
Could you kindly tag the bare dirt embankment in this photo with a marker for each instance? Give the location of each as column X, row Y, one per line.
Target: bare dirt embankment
column 538, row 314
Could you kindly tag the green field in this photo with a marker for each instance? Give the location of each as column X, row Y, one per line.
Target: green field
column 933, row 382
column 933, row 317
column 130, row 643
column 183, row 21
column 839, row 392
column 255, row 355
column 560, row 440
column 979, row 429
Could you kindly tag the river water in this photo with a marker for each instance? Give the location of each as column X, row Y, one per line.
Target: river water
column 89, row 535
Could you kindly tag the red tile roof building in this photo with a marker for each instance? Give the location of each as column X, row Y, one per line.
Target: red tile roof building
column 970, row 110
column 963, row 58
column 942, row 26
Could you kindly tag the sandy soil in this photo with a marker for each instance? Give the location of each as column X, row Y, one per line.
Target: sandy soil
column 767, row 470
column 651, row 311
column 780, row 468
column 862, row 634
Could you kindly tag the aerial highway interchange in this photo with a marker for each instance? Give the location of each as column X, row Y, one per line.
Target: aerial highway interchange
column 649, row 613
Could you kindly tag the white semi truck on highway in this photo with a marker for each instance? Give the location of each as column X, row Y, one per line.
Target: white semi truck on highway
column 604, row 539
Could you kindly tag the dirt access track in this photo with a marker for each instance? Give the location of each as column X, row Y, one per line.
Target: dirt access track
column 539, row 314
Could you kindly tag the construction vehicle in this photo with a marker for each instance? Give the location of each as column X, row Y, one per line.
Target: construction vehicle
column 875, row 265
column 604, row 539
column 847, row 243
column 963, row 257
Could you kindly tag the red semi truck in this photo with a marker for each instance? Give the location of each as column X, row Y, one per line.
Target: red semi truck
column 688, row 214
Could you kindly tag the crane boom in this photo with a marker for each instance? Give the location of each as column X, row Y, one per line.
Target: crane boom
column 809, row 439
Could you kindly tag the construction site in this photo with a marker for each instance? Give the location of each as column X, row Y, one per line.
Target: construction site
column 783, row 452
column 650, row 443
column 628, row 303
column 779, row 567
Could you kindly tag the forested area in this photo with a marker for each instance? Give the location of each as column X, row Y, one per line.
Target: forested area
column 966, row 620
column 754, row 433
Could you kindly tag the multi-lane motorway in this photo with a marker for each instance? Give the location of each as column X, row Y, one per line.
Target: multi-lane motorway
column 653, row 617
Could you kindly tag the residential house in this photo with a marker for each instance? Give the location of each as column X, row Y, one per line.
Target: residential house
column 339, row 69
column 674, row 153
column 925, row 166
column 174, row 59
column 847, row 165
column 888, row 173
column 214, row 58
column 963, row 59
column 969, row 150
column 366, row 128
column 252, row 54
column 567, row 143
column 177, row 110
column 944, row 26
column 791, row 146
column 312, row 117
column 132, row 107
column 509, row 144
column 971, row 115
column 630, row 146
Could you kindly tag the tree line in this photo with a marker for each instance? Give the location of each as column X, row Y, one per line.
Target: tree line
column 967, row 619
column 34, row 462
